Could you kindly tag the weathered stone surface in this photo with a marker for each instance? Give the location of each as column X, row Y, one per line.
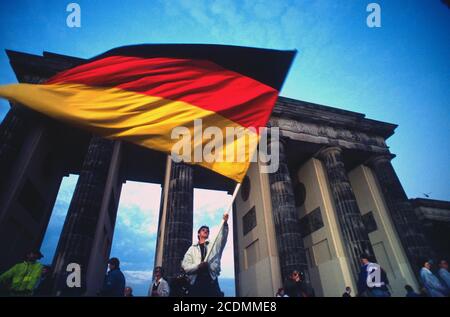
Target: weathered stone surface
column 80, row 226
column 179, row 221
column 409, row 230
column 291, row 251
column 352, row 227
column 329, row 135
column 13, row 131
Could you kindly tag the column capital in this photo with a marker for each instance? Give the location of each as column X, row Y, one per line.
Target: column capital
column 379, row 158
column 327, row 150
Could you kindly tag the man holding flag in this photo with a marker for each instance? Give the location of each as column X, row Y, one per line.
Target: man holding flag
column 202, row 262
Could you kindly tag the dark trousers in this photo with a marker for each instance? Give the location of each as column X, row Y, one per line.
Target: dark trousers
column 205, row 286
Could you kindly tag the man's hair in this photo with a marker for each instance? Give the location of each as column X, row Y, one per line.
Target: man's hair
column 366, row 256
column 422, row 261
column 114, row 261
column 159, row 268
column 202, row 227
column 409, row 288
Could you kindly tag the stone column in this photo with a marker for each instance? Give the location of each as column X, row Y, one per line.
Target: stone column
column 13, row 131
column 352, row 227
column 405, row 220
column 291, row 251
column 179, row 218
column 80, row 227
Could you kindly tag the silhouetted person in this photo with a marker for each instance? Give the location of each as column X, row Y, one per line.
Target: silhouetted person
column 128, row 292
column 347, row 292
column 21, row 279
column 294, row 286
column 281, row 293
column 114, row 283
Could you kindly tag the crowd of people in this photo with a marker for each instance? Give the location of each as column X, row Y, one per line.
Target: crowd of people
column 434, row 284
column 198, row 275
column 198, row 278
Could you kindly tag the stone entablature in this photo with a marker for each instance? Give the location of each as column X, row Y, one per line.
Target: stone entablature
column 303, row 121
column 431, row 209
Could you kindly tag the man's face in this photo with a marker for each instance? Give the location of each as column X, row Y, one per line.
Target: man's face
column 158, row 273
column 364, row 261
column 443, row 265
column 204, row 233
column 427, row 265
column 111, row 266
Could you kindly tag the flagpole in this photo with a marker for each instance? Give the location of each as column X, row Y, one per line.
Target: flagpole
column 236, row 189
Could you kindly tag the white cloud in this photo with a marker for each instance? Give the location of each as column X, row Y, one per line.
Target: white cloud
column 139, row 207
column 210, row 201
column 138, row 277
column 145, row 196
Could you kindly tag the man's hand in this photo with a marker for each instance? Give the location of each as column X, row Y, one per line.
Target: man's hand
column 225, row 217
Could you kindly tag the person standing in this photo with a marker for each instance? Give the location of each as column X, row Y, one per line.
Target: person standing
column 444, row 275
column 347, row 292
column 294, row 286
column 21, row 279
column 431, row 283
column 159, row 287
column 372, row 279
column 114, row 283
column 128, row 292
column 203, row 272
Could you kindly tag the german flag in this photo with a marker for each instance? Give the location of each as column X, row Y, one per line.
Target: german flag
column 141, row 93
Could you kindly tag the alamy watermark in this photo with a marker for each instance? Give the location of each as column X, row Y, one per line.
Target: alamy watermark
column 73, row 20
column 374, row 275
column 374, row 18
column 74, row 276
column 238, row 145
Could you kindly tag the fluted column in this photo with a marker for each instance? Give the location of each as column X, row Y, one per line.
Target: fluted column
column 291, row 251
column 352, row 227
column 405, row 220
column 80, row 227
column 14, row 130
column 179, row 219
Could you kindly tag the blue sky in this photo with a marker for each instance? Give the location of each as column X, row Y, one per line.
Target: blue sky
column 399, row 73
